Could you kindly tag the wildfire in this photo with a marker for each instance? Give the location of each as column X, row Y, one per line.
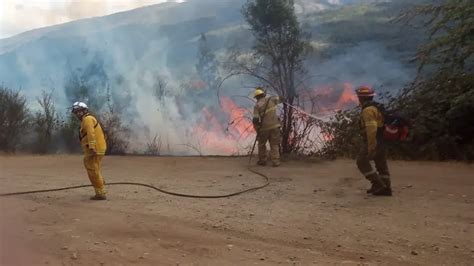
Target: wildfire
column 347, row 97
column 228, row 130
column 238, row 124
column 214, row 138
column 333, row 97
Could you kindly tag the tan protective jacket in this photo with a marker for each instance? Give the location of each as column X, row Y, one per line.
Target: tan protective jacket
column 92, row 136
column 265, row 111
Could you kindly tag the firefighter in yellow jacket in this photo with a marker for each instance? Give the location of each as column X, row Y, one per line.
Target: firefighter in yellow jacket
column 93, row 144
column 372, row 125
column 267, row 125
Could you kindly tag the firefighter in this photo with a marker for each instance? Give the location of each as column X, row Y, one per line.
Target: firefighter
column 267, row 125
column 93, row 144
column 373, row 149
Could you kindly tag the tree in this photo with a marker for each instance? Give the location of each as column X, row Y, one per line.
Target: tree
column 89, row 84
column 69, row 133
column 117, row 134
column 45, row 123
column 278, row 54
column 207, row 65
column 160, row 88
column 441, row 100
column 14, row 116
column 450, row 26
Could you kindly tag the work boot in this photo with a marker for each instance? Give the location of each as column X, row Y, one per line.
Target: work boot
column 387, row 191
column 98, row 197
column 377, row 185
column 371, row 189
column 276, row 164
column 262, row 163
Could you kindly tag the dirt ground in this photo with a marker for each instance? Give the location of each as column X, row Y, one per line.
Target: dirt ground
column 311, row 214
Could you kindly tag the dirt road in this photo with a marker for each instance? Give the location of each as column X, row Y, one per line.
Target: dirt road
column 311, row 214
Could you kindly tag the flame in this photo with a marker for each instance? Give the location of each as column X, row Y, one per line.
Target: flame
column 332, row 97
column 347, row 97
column 327, row 136
column 227, row 130
column 238, row 124
column 210, row 135
column 214, row 138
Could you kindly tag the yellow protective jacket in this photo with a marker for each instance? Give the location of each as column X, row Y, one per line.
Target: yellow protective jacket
column 372, row 122
column 92, row 136
column 265, row 112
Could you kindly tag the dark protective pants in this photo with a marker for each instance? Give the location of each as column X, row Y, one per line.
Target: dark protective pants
column 381, row 167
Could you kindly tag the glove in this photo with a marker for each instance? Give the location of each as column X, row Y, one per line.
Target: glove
column 256, row 123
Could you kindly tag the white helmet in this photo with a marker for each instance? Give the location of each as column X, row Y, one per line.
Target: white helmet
column 77, row 106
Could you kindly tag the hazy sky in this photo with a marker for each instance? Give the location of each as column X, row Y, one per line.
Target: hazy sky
column 17, row 16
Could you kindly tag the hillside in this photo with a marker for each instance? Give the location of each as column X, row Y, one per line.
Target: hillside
column 125, row 57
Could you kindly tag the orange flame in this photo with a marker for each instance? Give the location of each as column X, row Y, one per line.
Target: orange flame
column 237, row 117
column 332, row 98
column 347, row 98
column 214, row 138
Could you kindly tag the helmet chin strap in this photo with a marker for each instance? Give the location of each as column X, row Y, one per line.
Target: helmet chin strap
column 81, row 113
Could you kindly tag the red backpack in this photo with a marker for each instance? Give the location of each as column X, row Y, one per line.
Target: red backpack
column 396, row 127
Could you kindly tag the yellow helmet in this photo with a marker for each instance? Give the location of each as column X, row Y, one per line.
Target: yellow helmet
column 258, row 91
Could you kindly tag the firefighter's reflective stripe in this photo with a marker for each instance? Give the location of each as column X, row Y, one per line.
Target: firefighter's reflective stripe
column 373, row 123
column 369, row 173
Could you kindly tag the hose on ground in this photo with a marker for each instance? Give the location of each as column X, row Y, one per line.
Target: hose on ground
column 265, row 177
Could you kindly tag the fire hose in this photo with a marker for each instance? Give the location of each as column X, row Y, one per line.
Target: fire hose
column 249, row 168
column 304, row 112
column 265, row 177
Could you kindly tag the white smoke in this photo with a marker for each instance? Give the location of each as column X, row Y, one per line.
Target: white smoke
column 136, row 48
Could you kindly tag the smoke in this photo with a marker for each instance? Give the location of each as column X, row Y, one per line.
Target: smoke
column 146, row 59
column 46, row 13
column 364, row 64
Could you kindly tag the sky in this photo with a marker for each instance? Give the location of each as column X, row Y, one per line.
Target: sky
column 17, row 16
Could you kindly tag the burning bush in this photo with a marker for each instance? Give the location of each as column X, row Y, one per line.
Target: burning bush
column 342, row 135
column 440, row 103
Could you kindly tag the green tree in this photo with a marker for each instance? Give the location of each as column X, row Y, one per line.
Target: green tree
column 280, row 46
column 441, row 100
